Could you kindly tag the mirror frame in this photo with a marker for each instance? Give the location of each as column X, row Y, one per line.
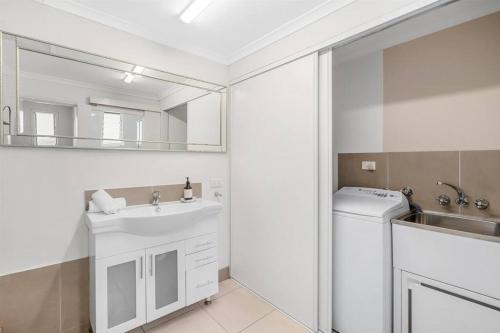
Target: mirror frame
column 119, row 65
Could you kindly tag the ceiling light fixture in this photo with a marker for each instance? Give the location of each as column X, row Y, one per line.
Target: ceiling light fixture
column 194, row 9
column 138, row 69
column 128, row 78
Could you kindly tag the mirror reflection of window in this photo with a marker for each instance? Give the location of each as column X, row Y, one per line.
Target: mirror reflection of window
column 37, row 117
column 140, row 129
column 21, row 121
column 112, row 129
column 45, row 125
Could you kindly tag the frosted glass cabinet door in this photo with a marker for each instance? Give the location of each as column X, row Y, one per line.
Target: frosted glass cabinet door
column 165, row 280
column 120, row 290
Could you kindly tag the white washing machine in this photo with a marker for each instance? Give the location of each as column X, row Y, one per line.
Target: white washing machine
column 362, row 259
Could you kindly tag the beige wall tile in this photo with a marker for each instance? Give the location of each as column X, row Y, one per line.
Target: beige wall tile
column 75, row 294
column 224, row 274
column 276, row 322
column 442, row 91
column 79, row 329
column 421, row 171
column 170, row 192
column 29, row 301
column 144, row 195
column 237, row 310
column 480, row 179
column 134, row 195
column 350, row 173
column 175, row 192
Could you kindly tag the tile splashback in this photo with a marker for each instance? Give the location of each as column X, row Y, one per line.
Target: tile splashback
column 142, row 195
column 50, row 299
column 350, row 173
column 477, row 172
column 53, row 299
column 421, row 171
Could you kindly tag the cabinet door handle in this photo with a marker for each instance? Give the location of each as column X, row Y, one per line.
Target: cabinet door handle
column 142, row 264
column 465, row 298
column 203, row 244
column 209, row 282
column 204, row 259
column 151, row 265
column 410, row 324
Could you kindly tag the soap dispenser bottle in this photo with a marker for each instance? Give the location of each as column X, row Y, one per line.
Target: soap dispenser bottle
column 188, row 190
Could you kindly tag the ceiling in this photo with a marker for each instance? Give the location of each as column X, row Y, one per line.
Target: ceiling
column 225, row 32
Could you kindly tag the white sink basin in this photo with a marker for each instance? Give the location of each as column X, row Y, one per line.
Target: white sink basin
column 147, row 221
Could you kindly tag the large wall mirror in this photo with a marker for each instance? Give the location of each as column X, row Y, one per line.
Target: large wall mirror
column 58, row 97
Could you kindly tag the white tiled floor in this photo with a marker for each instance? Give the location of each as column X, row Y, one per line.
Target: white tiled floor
column 234, row 309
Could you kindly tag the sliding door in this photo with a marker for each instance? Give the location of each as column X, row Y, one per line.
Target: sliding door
column 274, row 186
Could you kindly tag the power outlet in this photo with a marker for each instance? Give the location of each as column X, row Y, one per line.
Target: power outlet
column 369, row 165
column 215, row 183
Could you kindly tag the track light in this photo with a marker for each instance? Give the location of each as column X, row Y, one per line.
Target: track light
column 194, row 9
column 128, row 78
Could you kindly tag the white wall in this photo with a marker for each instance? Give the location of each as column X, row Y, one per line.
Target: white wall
column 42, row 203
column 357, row 17
column 41, row 207
column 358, row 96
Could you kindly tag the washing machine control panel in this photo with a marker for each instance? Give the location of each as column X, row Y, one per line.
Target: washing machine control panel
column 371, row 192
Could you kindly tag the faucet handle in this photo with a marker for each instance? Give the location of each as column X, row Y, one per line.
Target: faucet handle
column 481, row 204
column 407, row 191
column 443, row 200
column 156, row 197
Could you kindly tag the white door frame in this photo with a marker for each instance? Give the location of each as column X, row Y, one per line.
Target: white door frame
column 325, row 190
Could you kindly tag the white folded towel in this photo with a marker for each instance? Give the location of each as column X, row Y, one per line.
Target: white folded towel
column 105, row 202
column 121, row 202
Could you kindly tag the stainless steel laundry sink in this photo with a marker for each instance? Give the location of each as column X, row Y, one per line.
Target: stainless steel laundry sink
column 474, row 227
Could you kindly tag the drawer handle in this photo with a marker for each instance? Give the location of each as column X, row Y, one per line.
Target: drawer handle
column 204, row 259
column 203, row 244
column 209, row 282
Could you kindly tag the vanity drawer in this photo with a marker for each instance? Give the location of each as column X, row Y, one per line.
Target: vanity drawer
column 201, row 283
column 201, row 243
column 199, row 259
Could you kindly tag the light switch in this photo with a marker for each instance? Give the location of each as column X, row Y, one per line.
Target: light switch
column 215, row 183
column 369, row 165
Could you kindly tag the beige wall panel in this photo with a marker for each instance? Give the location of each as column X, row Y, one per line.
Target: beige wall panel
column 442, row 91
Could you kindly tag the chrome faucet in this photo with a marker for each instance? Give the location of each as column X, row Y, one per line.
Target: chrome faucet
column 462, row 199
column 156, row 199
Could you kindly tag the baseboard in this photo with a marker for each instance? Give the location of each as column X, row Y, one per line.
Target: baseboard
column 224, row 273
